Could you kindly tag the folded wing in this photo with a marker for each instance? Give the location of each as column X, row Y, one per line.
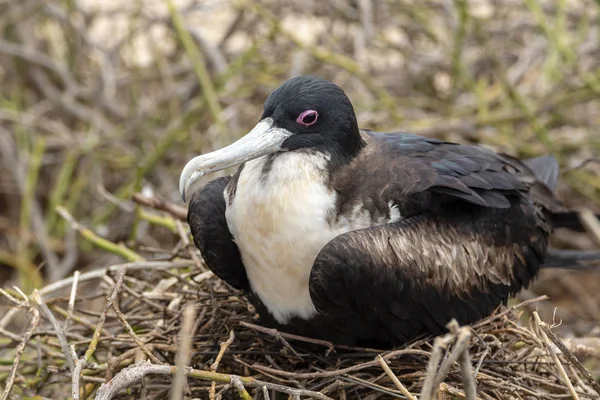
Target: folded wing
column 395, row 281
column 468, row 238
column 206, row 217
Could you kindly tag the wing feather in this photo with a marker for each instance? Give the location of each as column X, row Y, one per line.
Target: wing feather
column 388, row 283
column 400, row 166
column 206, row 217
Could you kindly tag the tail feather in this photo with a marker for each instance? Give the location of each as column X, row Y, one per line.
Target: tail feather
column 568, row 219
column 572, row 259
column 545, row 169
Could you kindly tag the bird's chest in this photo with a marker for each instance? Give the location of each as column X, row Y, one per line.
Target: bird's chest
column 279, row 221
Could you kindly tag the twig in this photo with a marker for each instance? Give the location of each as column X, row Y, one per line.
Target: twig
column 105, row 244
column 10, row 334
column 72, row 297
column 184, row 352
column 134, row 373
column 510, row 309
column 580, row 383
column 96, row 337
column 37, row 58
column 465, row 361
column 467, row 375
column 64, row 345
column 480, row 362
column 159, row 204
column 265, row 393
column 339, row 372
column 134, row 336
column 14, row 300
column 101, row 272
column 20, row 348
column 581, row 165
column 224, row 346
column 213, row 367
column 559, row 366
column 277, row 335
column 462, row 342
column 239, row 386
column 76, row 374
column 445, row 388
column 570, row 356
column 330, row 346
column 394, row 378
column 428, row 388
column 78, row 318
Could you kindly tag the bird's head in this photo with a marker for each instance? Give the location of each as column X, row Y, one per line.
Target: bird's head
column 303, row 113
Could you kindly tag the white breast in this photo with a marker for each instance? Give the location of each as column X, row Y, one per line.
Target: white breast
column 280, row 223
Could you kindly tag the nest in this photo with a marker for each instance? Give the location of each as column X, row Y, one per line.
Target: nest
column 172, row 328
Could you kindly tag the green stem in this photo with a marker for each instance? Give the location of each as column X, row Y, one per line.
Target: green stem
column 199, row 65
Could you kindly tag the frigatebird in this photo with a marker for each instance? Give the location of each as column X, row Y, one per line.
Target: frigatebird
column 368, row 238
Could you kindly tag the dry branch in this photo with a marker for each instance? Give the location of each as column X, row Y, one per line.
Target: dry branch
column 213, row 367
column 184, row 351
column 21, row 346
column 569, row 355
column 158, row 204
column 135, row 373
column 395, row 379
column 109, row 302
column 557, row 362
column 57, row 329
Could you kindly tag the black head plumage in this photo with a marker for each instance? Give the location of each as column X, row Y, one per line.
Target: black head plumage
column 317, row 112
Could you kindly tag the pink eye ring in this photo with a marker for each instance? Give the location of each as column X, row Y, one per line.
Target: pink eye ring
column 307, row 118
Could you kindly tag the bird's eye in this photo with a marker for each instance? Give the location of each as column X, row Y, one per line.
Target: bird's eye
column 307, row 118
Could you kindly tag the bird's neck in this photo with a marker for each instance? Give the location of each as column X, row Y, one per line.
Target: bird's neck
column 355, row 143
column 344, row 151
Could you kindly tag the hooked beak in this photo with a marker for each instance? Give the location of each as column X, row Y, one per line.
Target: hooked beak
column 263, row 139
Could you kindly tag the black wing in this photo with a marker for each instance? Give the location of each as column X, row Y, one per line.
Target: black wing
column 422, row 173
column 470, row 236
column 394, row 282
column 206, row 217
column 404, row 167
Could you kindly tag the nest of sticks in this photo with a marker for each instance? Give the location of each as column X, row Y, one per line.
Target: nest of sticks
column 169, row 328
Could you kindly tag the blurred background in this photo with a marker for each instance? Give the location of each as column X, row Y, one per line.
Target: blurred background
column 101, row 99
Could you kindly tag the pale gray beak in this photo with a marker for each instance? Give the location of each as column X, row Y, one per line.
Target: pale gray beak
column 263, row 139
